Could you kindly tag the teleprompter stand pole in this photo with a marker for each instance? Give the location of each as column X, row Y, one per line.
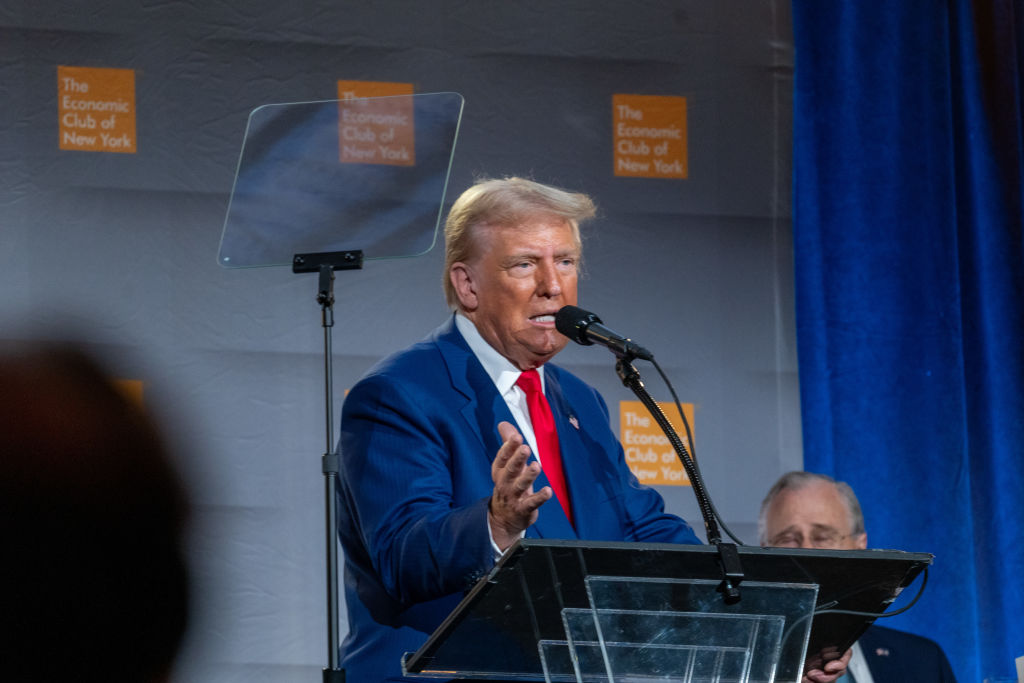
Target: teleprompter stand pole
column 325, row 264
column 728, row 557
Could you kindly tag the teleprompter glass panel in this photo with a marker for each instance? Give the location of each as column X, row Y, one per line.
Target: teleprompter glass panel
column 365, row 174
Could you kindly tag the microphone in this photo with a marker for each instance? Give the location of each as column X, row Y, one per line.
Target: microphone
column 583, row 327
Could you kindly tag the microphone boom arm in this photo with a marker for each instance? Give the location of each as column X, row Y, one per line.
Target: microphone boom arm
column 728, row 557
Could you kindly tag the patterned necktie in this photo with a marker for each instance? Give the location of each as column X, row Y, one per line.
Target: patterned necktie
column 547, row 437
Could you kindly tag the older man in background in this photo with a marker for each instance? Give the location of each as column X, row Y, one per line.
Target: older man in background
column 807, row 510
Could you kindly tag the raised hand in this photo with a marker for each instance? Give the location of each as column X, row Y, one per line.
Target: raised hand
column 514, row 503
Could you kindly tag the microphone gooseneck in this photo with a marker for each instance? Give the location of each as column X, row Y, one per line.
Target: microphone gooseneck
column 583, row 327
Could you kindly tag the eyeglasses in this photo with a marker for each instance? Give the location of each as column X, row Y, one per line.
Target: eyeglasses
column 823, row 540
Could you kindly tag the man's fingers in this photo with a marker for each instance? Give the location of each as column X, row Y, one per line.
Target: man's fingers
column 507, row 430
column 525, row 478
column 516, row 478
column 515, row 466
column 505, row 453
column 535, row 500
column 510, row 459
column 511, row 441
column 510, row 436
column 514, row 503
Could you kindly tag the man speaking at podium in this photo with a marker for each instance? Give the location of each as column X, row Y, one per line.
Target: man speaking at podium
column 454, row 448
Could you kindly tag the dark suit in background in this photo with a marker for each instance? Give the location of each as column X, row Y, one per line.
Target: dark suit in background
column 899, row 657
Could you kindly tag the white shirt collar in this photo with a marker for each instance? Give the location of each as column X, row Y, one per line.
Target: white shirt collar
column 858, row 666
column 500, row 369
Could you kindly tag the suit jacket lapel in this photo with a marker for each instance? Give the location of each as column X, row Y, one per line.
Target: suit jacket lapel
column 485, row 408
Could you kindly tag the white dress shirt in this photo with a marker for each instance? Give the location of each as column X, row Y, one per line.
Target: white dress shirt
column 504, row 375
column 858, row 667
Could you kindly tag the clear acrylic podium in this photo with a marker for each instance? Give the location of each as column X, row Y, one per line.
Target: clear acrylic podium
column 631, row 613
column 640, row 629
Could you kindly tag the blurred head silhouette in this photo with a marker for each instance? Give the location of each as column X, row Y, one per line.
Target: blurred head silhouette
column 92, row 522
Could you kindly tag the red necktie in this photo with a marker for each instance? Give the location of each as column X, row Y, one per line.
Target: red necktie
column 547, row 437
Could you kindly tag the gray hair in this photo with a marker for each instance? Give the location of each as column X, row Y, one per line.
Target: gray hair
column 505, row 202
column 797, row 480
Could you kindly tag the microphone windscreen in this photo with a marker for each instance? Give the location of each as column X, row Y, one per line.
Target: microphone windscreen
column 573, row 321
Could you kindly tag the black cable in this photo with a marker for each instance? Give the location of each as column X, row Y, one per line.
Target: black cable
column 875, row 615
column 693, row 452
column 631, row 378
column 879, row 615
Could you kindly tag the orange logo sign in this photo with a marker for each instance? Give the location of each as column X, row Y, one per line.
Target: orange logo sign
column 97, row 109
column 649, row 453
column 649, row 136
column 379, row 130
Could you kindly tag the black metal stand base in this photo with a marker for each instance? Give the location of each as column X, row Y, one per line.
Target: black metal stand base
column 325, row 264
column 334, row 676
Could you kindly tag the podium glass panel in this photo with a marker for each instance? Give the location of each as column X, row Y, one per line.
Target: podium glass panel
column 513, row 624
column 681, row 630
column 608, row 645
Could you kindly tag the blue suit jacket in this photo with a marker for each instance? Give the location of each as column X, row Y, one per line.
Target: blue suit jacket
column 900, row 657
column 418, row 434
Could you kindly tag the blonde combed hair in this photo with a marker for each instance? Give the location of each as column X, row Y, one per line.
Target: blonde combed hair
column 505, row 202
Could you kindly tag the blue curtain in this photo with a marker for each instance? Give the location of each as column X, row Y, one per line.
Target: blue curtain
column 909, row 252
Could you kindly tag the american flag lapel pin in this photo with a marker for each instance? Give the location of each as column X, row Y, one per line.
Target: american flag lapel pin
column 882, row 651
